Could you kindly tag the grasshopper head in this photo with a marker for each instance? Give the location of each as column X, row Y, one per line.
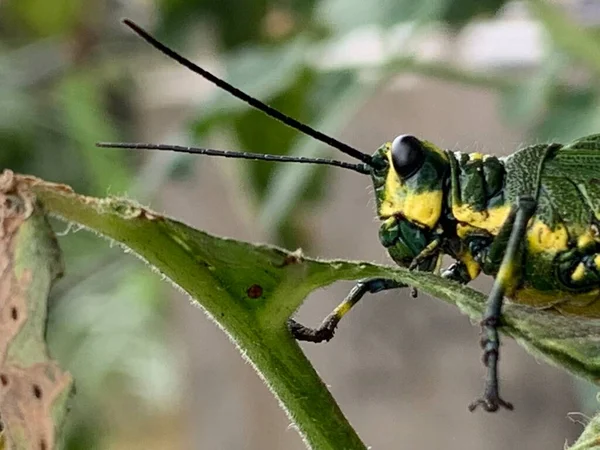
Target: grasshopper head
column 408, row 175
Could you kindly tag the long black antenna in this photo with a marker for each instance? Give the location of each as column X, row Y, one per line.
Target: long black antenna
column 255, row 103
column 360, row 168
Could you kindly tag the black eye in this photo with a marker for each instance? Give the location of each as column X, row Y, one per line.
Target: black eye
column 407, row 155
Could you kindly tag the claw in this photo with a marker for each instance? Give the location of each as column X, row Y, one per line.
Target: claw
column 490, row 404
column 491, row 401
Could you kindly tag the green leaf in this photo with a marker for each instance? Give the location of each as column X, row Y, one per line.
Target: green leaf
column 250, row 291
column 460, row 13
column 257, row 132
column 235, row 23
column 567, row 34
column 291, row 181
column 345, row 15
column 572, row 112
column 263, row 72
column 45, row 18
column 86, row 122
column 529, row 98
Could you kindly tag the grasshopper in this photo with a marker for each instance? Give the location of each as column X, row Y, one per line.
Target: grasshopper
column 530, row 220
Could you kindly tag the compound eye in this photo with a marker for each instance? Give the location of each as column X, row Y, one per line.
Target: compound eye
column 407, row 155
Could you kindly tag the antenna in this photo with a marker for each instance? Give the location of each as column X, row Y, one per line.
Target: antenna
column 360, row 168
column 255, row 103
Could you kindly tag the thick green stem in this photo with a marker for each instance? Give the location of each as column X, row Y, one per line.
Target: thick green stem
column 249, row 290
column 242, row 306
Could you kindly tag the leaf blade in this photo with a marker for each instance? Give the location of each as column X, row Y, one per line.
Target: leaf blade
column 255, row 318
column 34, row 390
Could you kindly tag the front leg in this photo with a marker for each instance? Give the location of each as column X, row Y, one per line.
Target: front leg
column 327, row 328
column 325, row 331
column 515, row 227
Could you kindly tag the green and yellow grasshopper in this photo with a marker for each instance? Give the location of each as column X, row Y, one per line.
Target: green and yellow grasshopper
column 530, row 220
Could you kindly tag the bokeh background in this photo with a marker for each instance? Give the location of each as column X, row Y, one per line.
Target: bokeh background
column 151, row 371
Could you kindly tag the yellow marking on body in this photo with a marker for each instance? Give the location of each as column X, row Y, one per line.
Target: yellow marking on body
column 588, row 238
column 424, row 208
column 473, row 268
column 490, row 219
column 597, row 261
column 475, row 156
column 542, row 238
column 463, row 230
column 584, row 304
column 585, row 239
column 578, row 273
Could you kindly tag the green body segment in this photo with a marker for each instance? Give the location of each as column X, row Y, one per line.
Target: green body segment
column 457, row 204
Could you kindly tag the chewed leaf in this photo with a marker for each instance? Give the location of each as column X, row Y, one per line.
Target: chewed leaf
column 33, row 389
column 250, row 291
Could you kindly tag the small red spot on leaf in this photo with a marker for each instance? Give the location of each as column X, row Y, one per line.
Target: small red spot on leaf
column 14, row 313
column 254, row 291
column 4, row 379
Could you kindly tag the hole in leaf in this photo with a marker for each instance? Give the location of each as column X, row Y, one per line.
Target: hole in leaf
column 13, row 204
column 37, row 391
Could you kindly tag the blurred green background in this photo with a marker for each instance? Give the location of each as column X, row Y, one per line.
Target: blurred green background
column 486, row 75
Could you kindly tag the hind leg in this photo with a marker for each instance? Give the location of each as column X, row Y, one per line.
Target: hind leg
column 516, row 227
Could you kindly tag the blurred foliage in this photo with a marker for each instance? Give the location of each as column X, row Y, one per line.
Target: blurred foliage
column 58, row 99
column 238, row 23
column 38, row 18
column 344, row 15
column 63, row 87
